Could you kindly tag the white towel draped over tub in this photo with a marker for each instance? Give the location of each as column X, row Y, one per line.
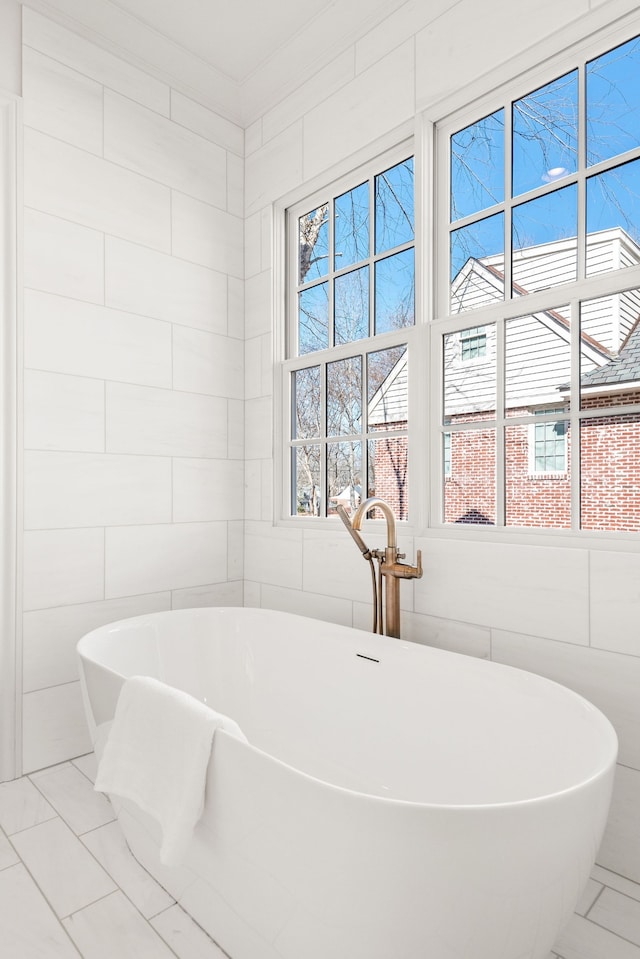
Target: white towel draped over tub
column 157, row 753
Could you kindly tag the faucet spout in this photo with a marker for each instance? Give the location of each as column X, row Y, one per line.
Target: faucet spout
column 369, row 504
column 390, row 569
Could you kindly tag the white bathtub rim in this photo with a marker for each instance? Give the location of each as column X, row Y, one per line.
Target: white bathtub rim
column 603, row 772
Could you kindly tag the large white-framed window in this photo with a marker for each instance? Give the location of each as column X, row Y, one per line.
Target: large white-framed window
column 538, row 207
column 350, row 318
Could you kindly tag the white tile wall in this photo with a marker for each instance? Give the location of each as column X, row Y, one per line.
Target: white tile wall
column 376, row 101
column 95, row 489
column 144, row 281
column 150, row 559
column 62, row 102
column 49, row 636
column 204, row 234
column 68, row 336
column 207, row 490
column 62, row 257
column 140, row 139
column 614, row 595
column 134, row 362
column 62, row 567
column 195, row 117
column 529, row 589
column 54, row 726
column 309, row 94
column 63, row 412
column 208, row 363
column 258, row 304
column 68, row 182
column 274, row 168
column 92, row 61
column 165, row 422
column 454, row 38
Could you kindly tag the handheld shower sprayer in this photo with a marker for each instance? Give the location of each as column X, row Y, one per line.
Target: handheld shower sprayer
column 357, row 538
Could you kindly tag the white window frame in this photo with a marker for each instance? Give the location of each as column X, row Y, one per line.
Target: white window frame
column 383, row 155
column 452, row 119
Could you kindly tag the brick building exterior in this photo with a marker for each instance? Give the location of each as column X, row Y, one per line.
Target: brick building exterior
column 537, row 453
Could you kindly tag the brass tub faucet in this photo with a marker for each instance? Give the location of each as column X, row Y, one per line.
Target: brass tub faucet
column 386, row 609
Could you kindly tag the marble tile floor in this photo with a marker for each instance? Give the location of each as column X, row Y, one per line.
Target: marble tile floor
column 69, row 886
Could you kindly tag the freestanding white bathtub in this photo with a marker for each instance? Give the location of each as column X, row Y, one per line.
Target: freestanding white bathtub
column 394, row 801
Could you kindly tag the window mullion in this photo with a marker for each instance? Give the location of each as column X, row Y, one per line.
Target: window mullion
column 508, row 200
column 500, row 424
column 324, row 446
column 574, row 416
column 581, row 238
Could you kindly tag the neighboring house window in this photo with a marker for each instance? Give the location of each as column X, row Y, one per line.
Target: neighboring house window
column 538, row 195
column 549, row 445
column 350, row 310
column 473, row 343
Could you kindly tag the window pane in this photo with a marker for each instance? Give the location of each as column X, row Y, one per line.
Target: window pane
column 531, row 498
column 610, row 354
column 610, row 473
column 477, row 166
column 313, row 244
column 352, row 227
column 545, row 134
column 537, row 361
column 313, row 319
column 344, row 465
column 446, row 454
column 387, row 388
column 306, row 403
column 469, row 490
column 344, row 396
column 469, row 384
column 388, row 476
column 613, row 102
column 352, row 306
column 394, row 278
column 544, row 241
column 477, row 264
column 613, row 205
column 394, row 206
column 306, row 486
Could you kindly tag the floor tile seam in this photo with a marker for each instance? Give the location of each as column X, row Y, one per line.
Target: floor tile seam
column 600, row 891
column 96, row 861
column 618, row 892
column 625, row 879
column 34, row 825
column 114, row 879
column 60, row 814
column 153, row 931
column 192, row 920
column 81, row 771
column 101, row 825
column 612, row 932
column 45, row 898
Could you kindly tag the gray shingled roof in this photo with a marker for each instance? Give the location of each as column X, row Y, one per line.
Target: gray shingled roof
column 624, row 368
